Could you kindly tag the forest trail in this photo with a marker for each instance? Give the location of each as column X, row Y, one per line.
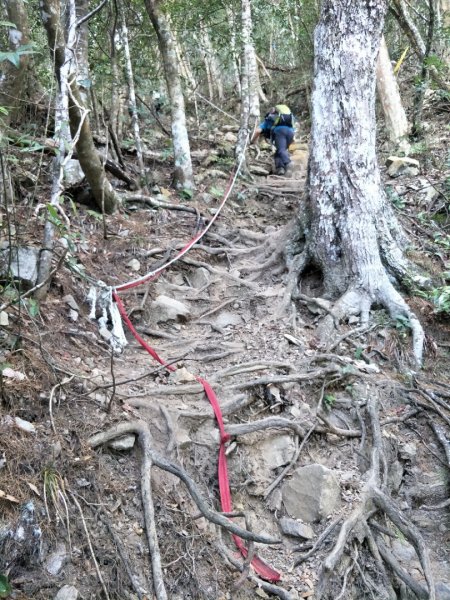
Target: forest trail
column 215, row 314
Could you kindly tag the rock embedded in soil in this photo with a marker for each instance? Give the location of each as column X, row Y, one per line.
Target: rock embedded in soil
column 123, row 443
column 56, row 560
column 68, row 592
column 199, row 278
column 313, row 493
column 402, row 165
column 296, row 529
column 20, row 264
column 165, row 308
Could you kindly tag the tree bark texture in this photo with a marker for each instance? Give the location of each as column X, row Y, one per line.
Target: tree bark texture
column 12, row 80
column 183, row 176
column 351, row 235
column 249, row 63
column 62, row 52
column 389, row 95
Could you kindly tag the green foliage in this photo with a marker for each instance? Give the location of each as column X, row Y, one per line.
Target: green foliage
column 14, row 56
column 394, row 198
column 5, row 587
column 216, row 191
column 329, row 401
column 186, row 194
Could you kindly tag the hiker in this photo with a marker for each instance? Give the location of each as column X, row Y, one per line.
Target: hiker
column 278, row 128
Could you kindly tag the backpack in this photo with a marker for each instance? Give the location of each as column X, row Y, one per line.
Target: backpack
column 280, row 115
column 283, row 116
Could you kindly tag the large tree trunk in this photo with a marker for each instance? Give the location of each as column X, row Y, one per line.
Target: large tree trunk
column 13, row 77
column 250, row 65
column 389, row 94
column 183, row 176
column 352, row 229
column 62, row 52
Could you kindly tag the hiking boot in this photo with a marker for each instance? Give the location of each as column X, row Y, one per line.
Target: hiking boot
column 281, row 171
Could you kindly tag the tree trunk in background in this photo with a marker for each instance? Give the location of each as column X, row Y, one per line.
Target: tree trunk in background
column 132, row 97
column 183, row 176
column 249, row 63
column 62, row 55
column 243, row 134
column 389, row 94
column 351, row 233
column 81, row 51
column 13, row 78
column 233, row 50
column 212, row 63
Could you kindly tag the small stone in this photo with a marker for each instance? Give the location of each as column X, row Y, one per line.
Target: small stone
column 105, row 333
column 20, row 264
column 402, row 166
column 230, row 137
column 73, row 173
column 199, row 278
column 165, row 308
column 182, row 438
column 296, row 529
column 24, row 425
column 70, row 301
column 442, row 591
column 4, row 319
column 123, row 443
column 182, row 376
column 226, row 318
column 403, row 551
column 134, row 264
column 312, row 493
column 56, row 560
column 73, row 315
column 408, row 451
column 353, row 320
column 206, row 198
column 68, row 592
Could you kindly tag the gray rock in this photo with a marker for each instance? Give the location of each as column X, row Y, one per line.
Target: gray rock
column 312, row 494
column 266, row 455
column 68, row 592
column 134, row 264
column 71, row 302
column 4, row 319
column 165, row 308
column 125, row 442
column 403, row 551
column 199, row 278
column 73, row 173
column 442, row 591
column 56, row 560
column 296, row 529
column 402, row 166
column 230, row 137
column 408, row 451
column 206, row 198
column 24, row 264
column 73, row 315
column 227, row 318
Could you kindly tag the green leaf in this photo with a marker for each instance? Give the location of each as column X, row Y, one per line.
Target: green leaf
column 358, row 353
column 33, row 307
column 187, row 194
column 5, row 588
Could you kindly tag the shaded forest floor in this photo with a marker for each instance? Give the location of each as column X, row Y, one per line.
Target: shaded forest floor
column 83, row 506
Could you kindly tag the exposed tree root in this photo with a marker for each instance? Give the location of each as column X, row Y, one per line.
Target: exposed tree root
column 375, row 499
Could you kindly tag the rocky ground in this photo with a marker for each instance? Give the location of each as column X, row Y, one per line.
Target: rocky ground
column 311, row 423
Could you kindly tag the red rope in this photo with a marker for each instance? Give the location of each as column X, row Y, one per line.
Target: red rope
column 262, row 568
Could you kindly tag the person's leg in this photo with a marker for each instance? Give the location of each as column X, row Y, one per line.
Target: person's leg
column 283, row 138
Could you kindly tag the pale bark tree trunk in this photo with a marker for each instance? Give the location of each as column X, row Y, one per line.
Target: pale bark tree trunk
column 81, row 52
column 183, row 176
column 389, row 94
column 244, row 132
column 351, row 232
column 12, row 80
column 249, row 63
column 63, row 51
column 212, row 63
column 132, row 97
column 233, row 50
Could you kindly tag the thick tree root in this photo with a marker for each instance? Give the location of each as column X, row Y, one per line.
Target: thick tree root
column 149, row 458
column 356, row 528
